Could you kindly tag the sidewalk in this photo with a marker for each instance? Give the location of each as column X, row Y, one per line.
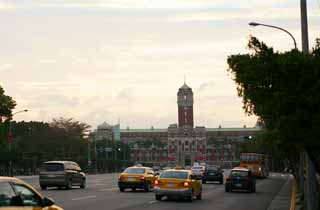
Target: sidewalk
column 282, row 201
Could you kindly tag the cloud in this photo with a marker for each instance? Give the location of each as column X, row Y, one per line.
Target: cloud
column 143, row 4
column 47, row 61
column 6, row 66
column 127, row 94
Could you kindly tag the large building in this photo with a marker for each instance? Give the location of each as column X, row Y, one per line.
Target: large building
column 181, row 143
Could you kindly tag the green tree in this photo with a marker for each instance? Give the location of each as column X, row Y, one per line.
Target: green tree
column 283, row 89
column 7, row 104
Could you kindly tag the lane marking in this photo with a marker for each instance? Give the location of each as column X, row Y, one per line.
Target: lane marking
column 108, row 189
column 151, row 202
column 81, row 198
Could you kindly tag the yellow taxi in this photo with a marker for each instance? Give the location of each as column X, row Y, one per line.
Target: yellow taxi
column 178, row 183
column 136, row 177
column 15, row 194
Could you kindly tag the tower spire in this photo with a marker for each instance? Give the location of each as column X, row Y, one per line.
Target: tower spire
column 184, row 79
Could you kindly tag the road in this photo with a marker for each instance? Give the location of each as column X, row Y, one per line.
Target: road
column 102, row 193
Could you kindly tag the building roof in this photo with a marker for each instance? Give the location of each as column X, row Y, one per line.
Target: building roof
column 154, row 130
column 232, row 129
column 184, row 86
column 157, row 130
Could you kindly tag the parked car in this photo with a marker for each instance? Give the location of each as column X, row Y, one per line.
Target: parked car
column 240, row 179
column 213, row 173
column 16, row 194
column 61, row 174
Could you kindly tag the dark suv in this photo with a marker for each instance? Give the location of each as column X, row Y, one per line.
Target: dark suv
column 61, row 174
column 240, row 179
column 213, row 173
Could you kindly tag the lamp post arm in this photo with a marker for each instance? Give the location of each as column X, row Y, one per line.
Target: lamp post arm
column 271, row 26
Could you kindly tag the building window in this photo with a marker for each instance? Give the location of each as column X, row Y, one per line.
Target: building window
column 185, row 97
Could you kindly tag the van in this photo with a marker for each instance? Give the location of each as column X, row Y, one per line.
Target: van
column 61, row 174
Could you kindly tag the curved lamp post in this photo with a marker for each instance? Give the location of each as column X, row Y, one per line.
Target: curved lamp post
column 10, row 139
column 254, row 24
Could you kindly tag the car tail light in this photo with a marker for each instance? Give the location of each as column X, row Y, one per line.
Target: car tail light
column 120, row 177
column 228, row 178
column 186, row 184
column 157, row 182
column 142, row 177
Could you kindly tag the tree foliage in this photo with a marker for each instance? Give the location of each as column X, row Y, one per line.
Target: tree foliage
column 7, row 104
column 36, row 142
column 283, row 89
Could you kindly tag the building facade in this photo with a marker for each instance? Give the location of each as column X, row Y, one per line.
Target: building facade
column 182, row 143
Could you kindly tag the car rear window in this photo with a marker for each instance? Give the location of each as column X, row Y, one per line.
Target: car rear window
column 53, row 167
column 239, row 173
column 174, row 174
column 134, row 170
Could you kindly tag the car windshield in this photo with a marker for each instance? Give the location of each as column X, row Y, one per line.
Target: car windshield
column 174, row 175
column 239, row 173
column 134, row 170
column 53, row 167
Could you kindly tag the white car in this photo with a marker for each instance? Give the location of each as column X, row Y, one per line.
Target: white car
column 198, row 170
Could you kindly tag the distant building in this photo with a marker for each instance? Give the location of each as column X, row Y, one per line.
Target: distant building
column 181, row 143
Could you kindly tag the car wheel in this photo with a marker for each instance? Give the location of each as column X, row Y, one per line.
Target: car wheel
column 133, row 189
column 43, row 187
column 221, row 181
column 227, row 189
column 190, row 197
column 121, row 189
column 69, row 184
column 199, row 196
column 83, row 184
column 204, row 181
column 147, row 187
column 158, row 197
column 253, row 189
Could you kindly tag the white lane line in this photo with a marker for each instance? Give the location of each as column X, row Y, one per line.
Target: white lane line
column 151, row 202
column 108, row 189
column 81, row 198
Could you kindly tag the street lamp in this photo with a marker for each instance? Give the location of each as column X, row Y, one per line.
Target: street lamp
column 254, row 24
column 10, row 139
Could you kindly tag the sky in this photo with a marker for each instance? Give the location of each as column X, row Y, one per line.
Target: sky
column 111, row 60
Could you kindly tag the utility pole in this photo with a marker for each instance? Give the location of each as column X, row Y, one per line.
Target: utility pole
column 311, row 181
column 304, row 26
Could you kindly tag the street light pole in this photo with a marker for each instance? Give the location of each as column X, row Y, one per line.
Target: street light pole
column 304, row 26
column 10, row 139
column 254, row 24
column 311, row 179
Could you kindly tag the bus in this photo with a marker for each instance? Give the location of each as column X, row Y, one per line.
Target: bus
column 257, row 163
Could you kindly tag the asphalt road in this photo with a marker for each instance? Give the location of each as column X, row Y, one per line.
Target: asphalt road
column 102, row 193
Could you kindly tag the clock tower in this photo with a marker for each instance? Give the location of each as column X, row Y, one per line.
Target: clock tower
column 185, row 106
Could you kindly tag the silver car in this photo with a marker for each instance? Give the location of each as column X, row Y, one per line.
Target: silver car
column 61, row 174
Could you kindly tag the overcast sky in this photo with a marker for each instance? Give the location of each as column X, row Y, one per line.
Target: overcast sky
column 104, row 60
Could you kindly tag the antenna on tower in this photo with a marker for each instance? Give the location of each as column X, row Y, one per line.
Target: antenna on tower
column 184, row 79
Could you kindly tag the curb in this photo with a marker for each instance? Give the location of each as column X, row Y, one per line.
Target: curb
column 293, row 196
